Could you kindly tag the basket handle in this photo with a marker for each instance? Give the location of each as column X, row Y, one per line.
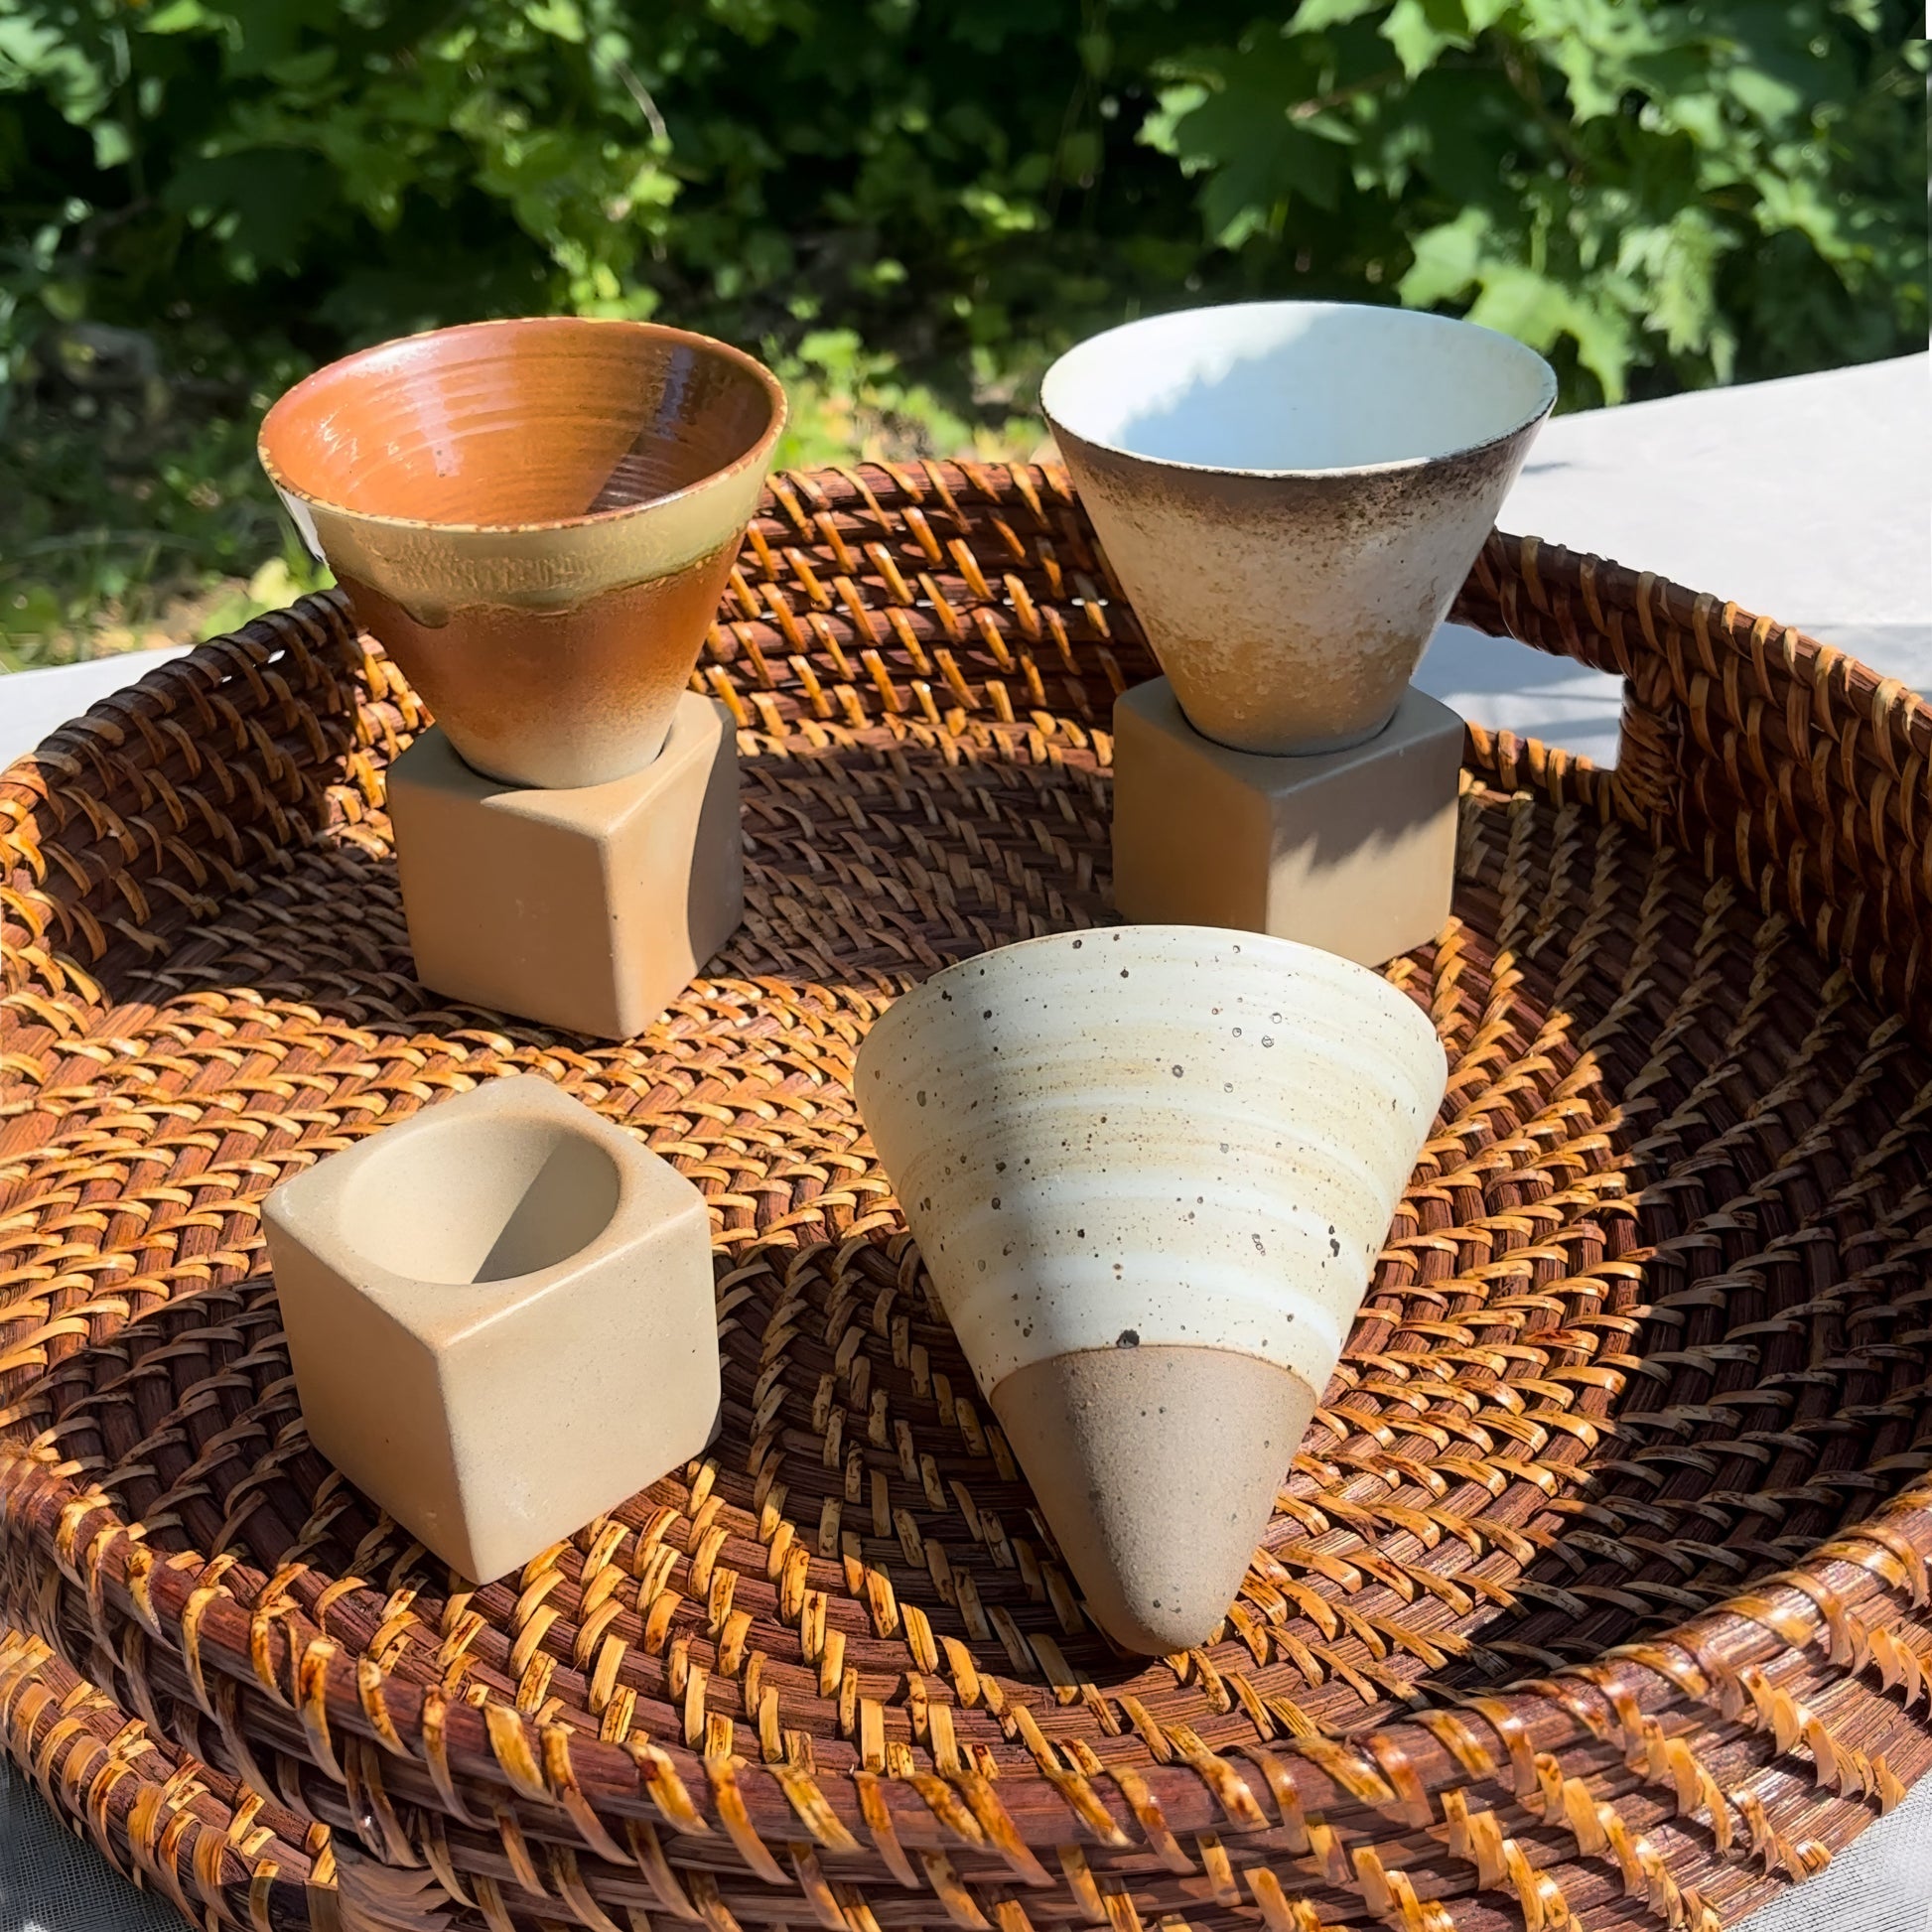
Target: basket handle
column 1769, row 757
column 1576, row 605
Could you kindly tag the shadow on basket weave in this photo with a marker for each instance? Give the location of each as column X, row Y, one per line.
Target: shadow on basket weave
column 1596, row 1594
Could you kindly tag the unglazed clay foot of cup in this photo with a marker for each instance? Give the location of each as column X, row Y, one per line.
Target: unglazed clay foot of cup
column 536, row 518
column 1150, row 1168
column 1291, row 495
column 501, row 1318
column 1157, row 1466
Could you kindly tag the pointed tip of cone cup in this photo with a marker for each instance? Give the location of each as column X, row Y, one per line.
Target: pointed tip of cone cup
column 1156, row 1468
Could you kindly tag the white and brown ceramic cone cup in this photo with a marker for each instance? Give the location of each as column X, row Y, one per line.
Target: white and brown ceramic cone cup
column 1150, row 1169
column 1291, row 495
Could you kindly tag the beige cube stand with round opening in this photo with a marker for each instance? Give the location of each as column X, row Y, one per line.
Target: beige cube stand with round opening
column 501, row 1318
column 588, row 908
column 1352, row 850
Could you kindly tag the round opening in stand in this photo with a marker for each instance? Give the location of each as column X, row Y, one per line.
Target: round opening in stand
column 482, row 1200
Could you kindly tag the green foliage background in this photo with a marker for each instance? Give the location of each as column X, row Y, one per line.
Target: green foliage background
column 907, row 204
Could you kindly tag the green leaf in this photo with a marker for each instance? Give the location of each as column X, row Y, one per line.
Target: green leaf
column 1463, row 132
column 65, row 301
column 1311, row 16
column 1002, row 216
column 35, row 57
column 1233, row 124
column 1768, row 98
column 1799, row 203
column 301, row 71
column 260, row 204
column 1161, row 130
column 1677, row 263
column 1520, row 302
column 1421, row 29
column 114, row 146
column 1080, row 154
column 561, row 19
column 1698, row 113
column 1447, row 259
column 182, row 17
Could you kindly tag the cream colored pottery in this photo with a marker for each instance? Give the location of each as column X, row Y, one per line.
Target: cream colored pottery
column 1291, row 495
column 501, row 1318
column 1150, row 1168
column 537, row 518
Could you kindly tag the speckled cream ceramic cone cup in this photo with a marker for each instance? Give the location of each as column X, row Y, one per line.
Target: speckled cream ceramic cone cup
column 1149, row 1169
column 536, row 518
column 1291, row 495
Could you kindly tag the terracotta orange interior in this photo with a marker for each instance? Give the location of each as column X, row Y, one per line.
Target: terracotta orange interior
column 506, row 424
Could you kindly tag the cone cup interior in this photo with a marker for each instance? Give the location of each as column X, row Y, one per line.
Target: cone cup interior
column 1281, row 388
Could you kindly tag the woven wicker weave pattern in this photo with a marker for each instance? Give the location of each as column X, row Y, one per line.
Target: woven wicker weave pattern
column 1597, row 1593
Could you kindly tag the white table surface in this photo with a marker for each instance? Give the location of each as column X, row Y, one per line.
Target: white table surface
column 1809, row 501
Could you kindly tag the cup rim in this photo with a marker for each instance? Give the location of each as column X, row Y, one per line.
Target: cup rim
column 1163, row 939
column 757, row 454
column 1422, row 318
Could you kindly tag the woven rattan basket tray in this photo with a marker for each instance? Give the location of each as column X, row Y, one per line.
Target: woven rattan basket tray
column 1596, row 1594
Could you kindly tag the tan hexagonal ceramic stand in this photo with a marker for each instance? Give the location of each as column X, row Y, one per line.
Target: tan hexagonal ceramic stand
column 501, row 1318
column 588, row 908
column 1351, row 851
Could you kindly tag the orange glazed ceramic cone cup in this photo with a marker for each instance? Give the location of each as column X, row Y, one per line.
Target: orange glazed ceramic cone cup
column 537, row 520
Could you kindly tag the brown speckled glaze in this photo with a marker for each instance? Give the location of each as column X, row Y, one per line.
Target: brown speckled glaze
column 1290, row 613
column 536, row 517
column 1289, row 596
